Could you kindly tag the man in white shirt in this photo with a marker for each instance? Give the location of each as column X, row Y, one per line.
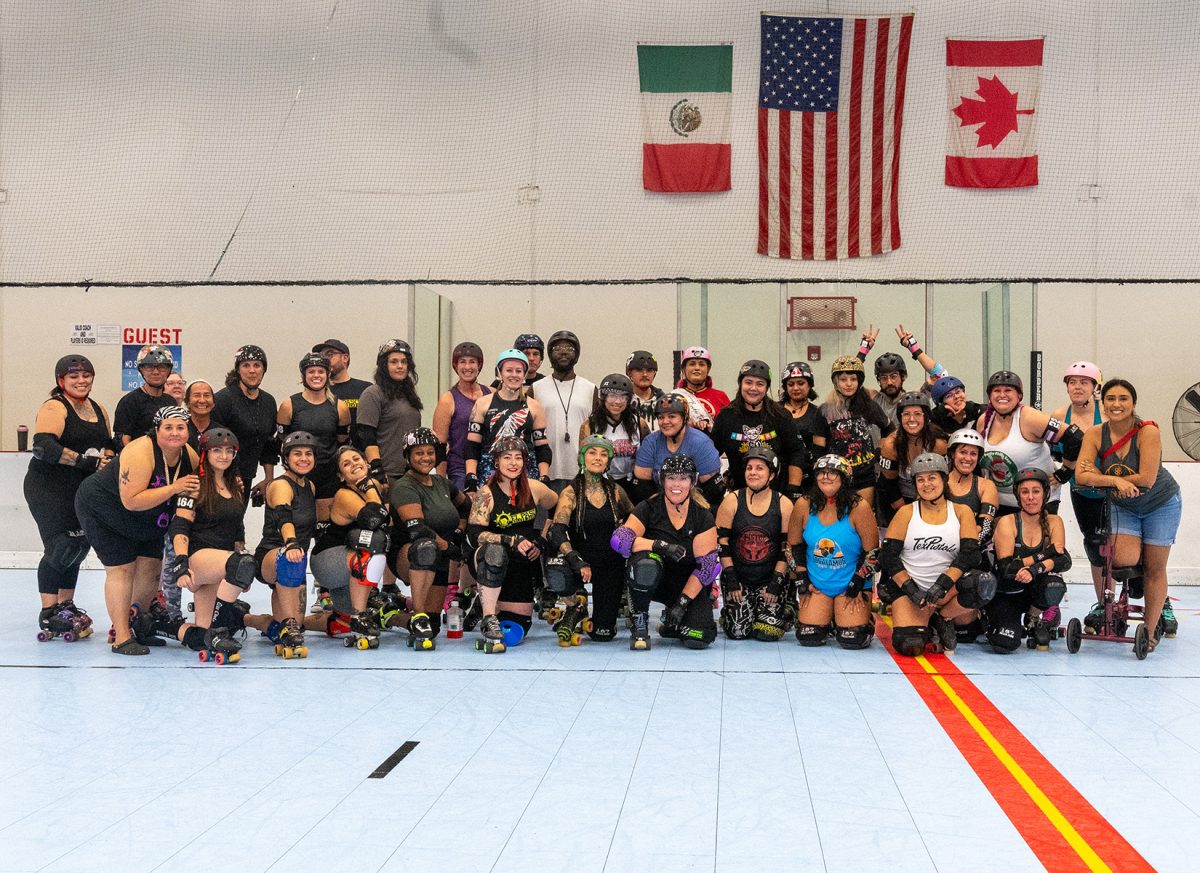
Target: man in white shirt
column 568, row 400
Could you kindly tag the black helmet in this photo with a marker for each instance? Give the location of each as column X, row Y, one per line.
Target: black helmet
column 249, row 353
column 1005, row 378
column 890, row 362
column 616, row 383
column 466, row 350
column 836, row 463
column 395, row 345
column 297, row 439
column 73, row 364
column 165, row 412
column 509, row 444
column 678, row 465
column 764, row 454
column 313, row 359
column 1032, row 474
column 669, row 403
column 423, row 436
column 641, row 360
column 217, row 437
column 155, row 356
column 529, row 341
column 563, row 336
column 912, row 398
column 757, row 369
column 798, row 370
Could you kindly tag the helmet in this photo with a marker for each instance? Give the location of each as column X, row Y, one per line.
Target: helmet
column 848, row 364
column 73, row 364
column 616, row 383
column 466, row 350
column 509, row 444
column 155, row 356
column 912, row 398
column 395, row 345
column 313, row 359
column 1005, row 378
column 890, row 362
column 165, row 412
column 1086, row 369
column 833, row 462
column 678, row 465
column 1032, row 474
column 965, row 436
column 930, row 462
column 944, row 386
column 529, row 341
column 217, row 437
column 755, row 368
column 249, row 353
column 297, row 439
column 671, row 403
column 641, row 360
column 561, row 336
column 423, row 436
column 764, row 454
column 595, row 440
column 513, row 355
column 797, row 370
column 691, row 353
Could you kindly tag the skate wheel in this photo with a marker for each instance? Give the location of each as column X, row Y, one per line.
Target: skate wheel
column 278, row 649
column 112, row 636
column 233, row 658
column 347, row 642
column 363, row 643
column 302, row 651
column 553, row 615
column 576, row 639
column 219, row 658
column 1045, row 648
column 1030, row 643
column 203, row 656
column 564, row 642
column 588, row 625
column 372, row 643
column 1170, row 636
column 44, row 636
column 85, row 633
column 426, row 644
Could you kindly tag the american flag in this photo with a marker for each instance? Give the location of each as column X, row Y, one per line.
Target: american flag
column 830, row 105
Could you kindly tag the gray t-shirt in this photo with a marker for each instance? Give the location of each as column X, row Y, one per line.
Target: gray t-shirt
column 392, row 419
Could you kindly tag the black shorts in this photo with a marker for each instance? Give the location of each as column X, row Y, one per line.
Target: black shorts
column 113, row 548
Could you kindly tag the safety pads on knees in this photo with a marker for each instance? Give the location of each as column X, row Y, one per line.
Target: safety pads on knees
column 558, row 575
column 1092, row 542
column 909, row 641
column 423, row 554
column 737, row 619
column 1005, row 638
column 811, row 635
column 239, row 570
column 375, row 541
column 1046, row 591
column 290, row 574
column 492, row 564
column 67, row 550
column 644, row 571
column 769, row 621
column 697, row 637
column 976, row 589
column 854, row 637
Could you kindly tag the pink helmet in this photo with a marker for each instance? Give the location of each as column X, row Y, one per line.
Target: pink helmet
column 693, row 352
column 1086, row 369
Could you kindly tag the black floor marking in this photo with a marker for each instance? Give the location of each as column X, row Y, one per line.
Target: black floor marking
column 393, row 759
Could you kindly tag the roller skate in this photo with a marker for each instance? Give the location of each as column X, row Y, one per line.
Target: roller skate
column 639, row 632
column 550, row 606
column 421, row 637
column 472, row 609
column 1094, row 620
column 323, row 600
column 55, row 621
column 86, row 620
column 493, row 637
column 390, row 611
column 573, row 620
column 1037, row 634
column 626, row 609
column 220, row 647
column 943, row 633
column 364, row 631
column 288, row 638
column 666, row 630
column 1169, row 624
column 337, row 624
column 1052, row 618
column 144, row 623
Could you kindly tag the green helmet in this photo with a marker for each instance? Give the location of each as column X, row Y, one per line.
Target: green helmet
column 592, row 441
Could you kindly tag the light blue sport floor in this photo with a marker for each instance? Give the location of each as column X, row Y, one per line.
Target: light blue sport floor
column 747, row 756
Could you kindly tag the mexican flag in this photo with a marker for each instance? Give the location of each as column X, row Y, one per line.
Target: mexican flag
column 686, row 95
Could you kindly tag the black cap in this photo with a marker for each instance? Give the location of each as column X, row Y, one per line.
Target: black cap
column 641, row 360
column 335, row 344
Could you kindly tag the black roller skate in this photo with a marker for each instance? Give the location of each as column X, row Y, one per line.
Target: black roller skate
column 1169, row 623
column 1037, row 634
column 472, row 609
column 55, row 621
column 943, row 633
column 364, row 631
column 666, row 629
column 144, row 623
column 573, row 620
column 322, row 600
column 1094, row 620
column 288, row 638
column 220, row 647
column 639, row 632
column 493, row 638
column 421, row 636
column 86, row 620
column 390, row 610
column 550, row 606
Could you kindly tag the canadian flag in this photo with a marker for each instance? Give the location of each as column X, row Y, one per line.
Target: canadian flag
column 992, row 86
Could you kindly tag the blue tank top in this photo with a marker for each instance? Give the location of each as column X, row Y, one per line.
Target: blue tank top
column 832, row 553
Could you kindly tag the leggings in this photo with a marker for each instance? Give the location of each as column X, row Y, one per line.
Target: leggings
column 52, row 505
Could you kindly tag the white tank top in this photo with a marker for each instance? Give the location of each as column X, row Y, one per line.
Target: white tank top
column 1003, row 460
column 929, row 548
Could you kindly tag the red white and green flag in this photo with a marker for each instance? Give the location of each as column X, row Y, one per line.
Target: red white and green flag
column 686, row 98
column 992, row 86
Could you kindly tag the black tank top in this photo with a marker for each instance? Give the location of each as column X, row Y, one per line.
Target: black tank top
column 78, row 436
column 1021, row 551
column 970, row 500
column 319, row 419
column 593, row 539
column 330, row 535
column 219, row 529
column 304, row 517
column 756, row 539
column 102, row 493
column 507, row 518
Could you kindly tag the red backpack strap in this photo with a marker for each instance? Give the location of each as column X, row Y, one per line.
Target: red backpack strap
column 1115, row 446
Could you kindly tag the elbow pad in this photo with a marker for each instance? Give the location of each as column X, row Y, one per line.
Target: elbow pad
column 278, row 516
column 969, row 553
column 472, row 451
column 987, row 521
column 714, row 489
column 538, row 435
column 1062, row 561
column 179, row 526
column 343, row 430
column 368, row 434
column 372, row 516
column 724, row 538
column 46, row 447
column 1071, row 442
column 708, row 568
column 796, row 555
column 889, row 556
column 543, row 454
column 622, row 541
column 416, row 528
column 560, row 535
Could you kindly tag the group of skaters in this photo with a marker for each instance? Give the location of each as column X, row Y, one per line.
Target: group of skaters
column 757, row 514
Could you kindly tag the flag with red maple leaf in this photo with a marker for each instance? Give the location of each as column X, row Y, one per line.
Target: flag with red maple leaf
column 993, row 87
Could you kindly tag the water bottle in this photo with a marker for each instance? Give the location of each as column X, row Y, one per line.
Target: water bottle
column 454, row 622
column 22, row 438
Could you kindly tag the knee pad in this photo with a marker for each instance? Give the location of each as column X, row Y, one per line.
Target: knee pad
column 811, row 635
column 290, row 575
column 559, row 577
column 697, row 637
column 239, row 570
column 374, row 542
column 67, row 550
column 645, row 572
column 737, row 619
column 768, row 622
column 1047, row 591
column 976, row 589
column 1005, row 638
column 492, row 565
column 855, row 637
column 423, row 554
column 910, row 641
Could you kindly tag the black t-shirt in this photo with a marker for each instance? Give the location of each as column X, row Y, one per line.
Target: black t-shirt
column 220, row 529
column 134, row 415
column 350, row 391
column 253, row 421
column 653, row 515
column 808, row 426
column 942, row 418
column 734, row 432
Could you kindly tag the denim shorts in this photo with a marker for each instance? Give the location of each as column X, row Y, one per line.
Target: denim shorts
column 1155, row 528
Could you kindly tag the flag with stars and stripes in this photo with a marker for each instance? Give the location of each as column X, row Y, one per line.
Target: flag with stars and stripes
column 830, row 107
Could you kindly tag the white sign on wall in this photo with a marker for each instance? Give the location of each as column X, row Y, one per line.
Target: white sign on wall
column 94, row 335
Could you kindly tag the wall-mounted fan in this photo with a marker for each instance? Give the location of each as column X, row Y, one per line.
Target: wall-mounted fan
column 1185, row 421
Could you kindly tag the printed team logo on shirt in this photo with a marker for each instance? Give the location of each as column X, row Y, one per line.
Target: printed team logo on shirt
column 624, row 448
column 512, row 427
column 753, row 545
column 999, row 467
column 752, row 436
column 851, row 438
column 1116, row 468
column 510, row 519
column 828, row 554
column 933, row 544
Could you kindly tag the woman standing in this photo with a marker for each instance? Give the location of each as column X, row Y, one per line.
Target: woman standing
column 506, row 413
column 71, row 440
column 452, row 415
column 754, row 418
column 856, row 424
column 388, row 410
column 248, row 411
column 125, row 510
column 614, row 418
column 1125, row 454
column 797, row 395
column 200, row 400
column 316, row 412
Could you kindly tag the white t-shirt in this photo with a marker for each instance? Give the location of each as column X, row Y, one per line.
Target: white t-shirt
column 567, row 405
